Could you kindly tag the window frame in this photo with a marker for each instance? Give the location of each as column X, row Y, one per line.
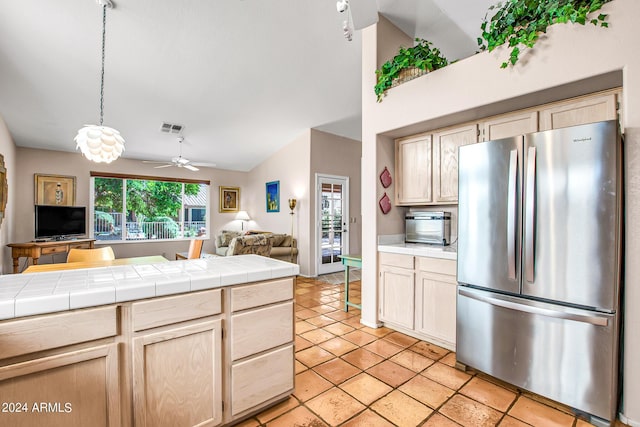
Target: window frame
column 125, row 177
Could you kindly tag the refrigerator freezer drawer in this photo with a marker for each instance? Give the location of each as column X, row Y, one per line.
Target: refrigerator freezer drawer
column 567, row 355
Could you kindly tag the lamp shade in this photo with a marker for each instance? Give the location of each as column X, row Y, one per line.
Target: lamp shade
column 100, row 144
column 243, row 215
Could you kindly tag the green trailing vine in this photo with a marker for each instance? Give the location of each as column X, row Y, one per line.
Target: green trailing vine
column 422, row 56
column 520, row 22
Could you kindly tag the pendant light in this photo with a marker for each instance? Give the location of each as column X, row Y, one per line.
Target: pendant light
column 98, row 143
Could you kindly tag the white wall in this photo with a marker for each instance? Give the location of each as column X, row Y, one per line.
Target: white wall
column 7, row 228
column 477, row 87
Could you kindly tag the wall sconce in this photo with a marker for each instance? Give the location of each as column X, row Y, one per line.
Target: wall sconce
column 243, row 216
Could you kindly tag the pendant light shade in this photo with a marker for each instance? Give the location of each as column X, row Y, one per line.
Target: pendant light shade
column 98, row 143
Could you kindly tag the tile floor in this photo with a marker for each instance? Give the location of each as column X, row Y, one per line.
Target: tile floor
column 353, row 376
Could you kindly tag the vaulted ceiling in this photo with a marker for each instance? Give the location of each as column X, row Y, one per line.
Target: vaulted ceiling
column 244, row 77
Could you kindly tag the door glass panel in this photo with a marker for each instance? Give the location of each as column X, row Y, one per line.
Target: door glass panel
column 331, row 222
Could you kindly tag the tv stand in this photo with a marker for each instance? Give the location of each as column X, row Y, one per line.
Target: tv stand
column 34, row 250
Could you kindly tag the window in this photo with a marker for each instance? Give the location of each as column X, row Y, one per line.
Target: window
column 126, row 208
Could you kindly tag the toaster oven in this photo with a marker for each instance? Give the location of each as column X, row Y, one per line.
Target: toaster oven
column 428, row 227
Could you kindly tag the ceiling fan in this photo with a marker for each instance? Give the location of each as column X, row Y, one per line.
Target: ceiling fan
column 180, row 161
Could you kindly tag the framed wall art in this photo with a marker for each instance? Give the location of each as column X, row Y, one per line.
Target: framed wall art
column 229, row 199
column 273, row 196
column 55, row 190
column 4, row 188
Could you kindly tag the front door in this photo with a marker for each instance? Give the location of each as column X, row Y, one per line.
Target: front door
column 332, row 221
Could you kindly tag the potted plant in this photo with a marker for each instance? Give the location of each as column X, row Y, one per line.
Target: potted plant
column 409, row 63
column 520, row 22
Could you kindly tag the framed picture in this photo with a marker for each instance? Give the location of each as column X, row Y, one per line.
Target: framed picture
column 273, row 196
column 55, row 190
column 4, row 189
column 229, row 199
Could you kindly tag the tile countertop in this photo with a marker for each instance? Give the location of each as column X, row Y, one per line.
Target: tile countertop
column 39, row 293
column 395, row 244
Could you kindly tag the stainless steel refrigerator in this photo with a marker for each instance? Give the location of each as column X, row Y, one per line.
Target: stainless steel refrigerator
column 539, row 259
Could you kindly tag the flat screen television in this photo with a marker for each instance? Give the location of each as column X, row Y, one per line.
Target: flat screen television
column 58, row 222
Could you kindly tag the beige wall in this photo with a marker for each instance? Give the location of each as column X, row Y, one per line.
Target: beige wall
column 31, row 161
column 570, row 58
column 338, row 156
column 7, row 228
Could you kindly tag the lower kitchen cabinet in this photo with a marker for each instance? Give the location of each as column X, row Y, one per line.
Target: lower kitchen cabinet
column 177, row 376
column 418, row 297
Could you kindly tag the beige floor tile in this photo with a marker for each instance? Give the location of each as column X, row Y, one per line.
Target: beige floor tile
column 354, row 322
column 446, row 375
column 391, row 373
column 488, row 394
column 303, row 326
column 305, row 314
column 359, row 337
column 309, row 384
column 429, row 350
column 302, row 291
column 339, row 328
column 411, row 360
column 338, row 346
column 321, row 320
column 279, row 409
column 470, row 413
column 322, row 309
column 378, row 332
column 384, row 348
column 251, row 422
column 301, row 343
column 337, row 370
column 365, row 388
column 317, row 336
column 439, row 420
column 363, row 359
column 536, row 413
column 401, row 410
column 367, row 419
column 313, row 356
column 401, row 339
column 449, row 359
column 299, row 367
column 426, row 391
column 335, row 406
column 299, row 417
column 508, row 421
column 338, row 315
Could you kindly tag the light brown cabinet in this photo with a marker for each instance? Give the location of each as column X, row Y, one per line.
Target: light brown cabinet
column 445, row 160
column 508, row 125
column 580, row 111
column 418, row 297
column 413, row 165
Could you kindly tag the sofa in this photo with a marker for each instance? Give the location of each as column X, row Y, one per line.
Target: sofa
column 280, row 246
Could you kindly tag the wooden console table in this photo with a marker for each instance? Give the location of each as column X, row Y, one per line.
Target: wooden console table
column 34, row 250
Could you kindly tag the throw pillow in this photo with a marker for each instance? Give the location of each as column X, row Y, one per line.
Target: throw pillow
column 277, row 239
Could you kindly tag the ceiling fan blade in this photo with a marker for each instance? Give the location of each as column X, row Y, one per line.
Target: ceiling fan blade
column 204, row 165
column 154, row 162
column 163, row 166
column 191, row 168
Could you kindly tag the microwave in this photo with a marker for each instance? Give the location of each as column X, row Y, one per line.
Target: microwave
column 428, row 227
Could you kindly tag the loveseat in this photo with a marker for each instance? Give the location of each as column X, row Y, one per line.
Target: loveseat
column 230, row 242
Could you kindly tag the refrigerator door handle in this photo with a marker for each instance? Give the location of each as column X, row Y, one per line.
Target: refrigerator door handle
column 511, row 214
column 584, row 318
column 530, row 212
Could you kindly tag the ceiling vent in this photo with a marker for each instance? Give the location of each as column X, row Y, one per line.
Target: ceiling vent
column 171, row 128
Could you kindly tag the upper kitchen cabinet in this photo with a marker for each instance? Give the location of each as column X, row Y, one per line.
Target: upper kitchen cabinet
column 580, row 111
column 508, row 125
column 413, row 164
column 445, row 160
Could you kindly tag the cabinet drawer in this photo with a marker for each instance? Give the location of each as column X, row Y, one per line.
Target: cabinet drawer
column 53, row 250
column 262, row 378
column 165, row 311
column 243, row 297
column 261, row 329
column 84, row 245
column 29, row 335
column 396, row 260
column 437, row 265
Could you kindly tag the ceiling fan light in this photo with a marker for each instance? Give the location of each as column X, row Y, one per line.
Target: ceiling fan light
column 100, row 144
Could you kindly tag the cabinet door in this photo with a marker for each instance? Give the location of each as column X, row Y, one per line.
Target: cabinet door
column 397, row 295
column 73, row 389
column 413, row 170
column 508, row 125
column 445, row 160
column 177, row 376
column 436, row 307
column 579, row 112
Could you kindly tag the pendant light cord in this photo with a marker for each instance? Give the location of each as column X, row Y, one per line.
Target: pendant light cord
column 104, row 26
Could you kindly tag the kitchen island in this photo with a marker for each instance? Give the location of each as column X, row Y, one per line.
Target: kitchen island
column 194, row 342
